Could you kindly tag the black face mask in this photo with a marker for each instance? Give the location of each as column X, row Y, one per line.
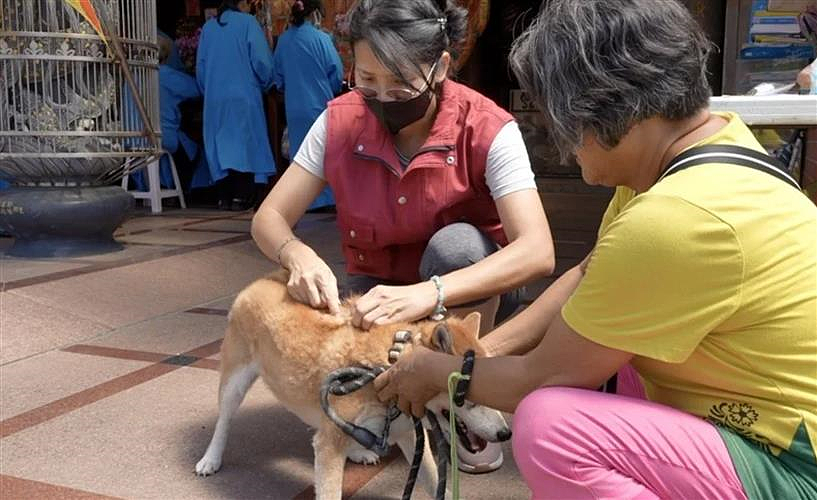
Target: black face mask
column 397, row 115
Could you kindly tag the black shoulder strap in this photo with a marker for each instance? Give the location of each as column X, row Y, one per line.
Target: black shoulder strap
column 733, row 155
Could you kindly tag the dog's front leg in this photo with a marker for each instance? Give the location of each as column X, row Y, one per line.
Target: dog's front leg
column 330, row 446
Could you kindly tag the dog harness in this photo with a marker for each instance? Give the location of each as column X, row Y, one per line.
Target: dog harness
column 347, row 380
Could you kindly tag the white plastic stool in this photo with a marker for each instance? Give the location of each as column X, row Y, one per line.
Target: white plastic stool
column 155, row 194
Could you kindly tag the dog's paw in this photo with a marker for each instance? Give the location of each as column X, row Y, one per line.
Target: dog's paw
column 207, row 466
column 363, row 456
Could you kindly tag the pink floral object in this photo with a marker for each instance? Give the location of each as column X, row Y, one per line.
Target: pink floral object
column 188, row 45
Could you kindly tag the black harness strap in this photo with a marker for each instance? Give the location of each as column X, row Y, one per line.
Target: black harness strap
column 732, row 155
column 345, row 381
column 348, row 380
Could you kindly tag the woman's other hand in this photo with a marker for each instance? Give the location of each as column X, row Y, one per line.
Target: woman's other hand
column 383, row 304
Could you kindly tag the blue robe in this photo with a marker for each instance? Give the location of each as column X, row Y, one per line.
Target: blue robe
column 234, row 69
column 175, row 87
column 308, row 69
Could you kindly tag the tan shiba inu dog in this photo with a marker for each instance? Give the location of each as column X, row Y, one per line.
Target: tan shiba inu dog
column 294, row 347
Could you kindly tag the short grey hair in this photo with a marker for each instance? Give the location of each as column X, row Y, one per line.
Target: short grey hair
column 602, row 66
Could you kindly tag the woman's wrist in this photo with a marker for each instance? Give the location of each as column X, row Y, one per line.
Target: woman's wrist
column 436, row 366
column 429, row 290
column 293, row 253
column 283, row 246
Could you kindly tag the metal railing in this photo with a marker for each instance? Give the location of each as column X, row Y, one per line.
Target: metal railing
column 74, row 106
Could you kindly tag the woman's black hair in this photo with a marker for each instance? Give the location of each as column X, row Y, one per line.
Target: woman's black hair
column 302, row 9
column 413, row 31
column 225, row 6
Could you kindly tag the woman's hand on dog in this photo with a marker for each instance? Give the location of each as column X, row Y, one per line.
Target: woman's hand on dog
column 383, row 304
column 407, row 383
column 312, row 282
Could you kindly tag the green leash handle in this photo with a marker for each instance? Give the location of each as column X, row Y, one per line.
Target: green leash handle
column 453, row 379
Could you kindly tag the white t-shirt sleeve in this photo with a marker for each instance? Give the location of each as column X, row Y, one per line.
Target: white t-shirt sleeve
column 507, row 168
column 312, row 151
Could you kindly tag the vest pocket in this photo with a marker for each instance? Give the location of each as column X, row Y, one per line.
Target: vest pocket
column 368, row 262
column 358, row 235
column 363, row 256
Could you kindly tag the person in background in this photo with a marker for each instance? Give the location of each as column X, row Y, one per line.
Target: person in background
column 308, row 70
column 701, row 291
column 173, row 60
column 175, row 87
column 234, row 69
column 436, row 200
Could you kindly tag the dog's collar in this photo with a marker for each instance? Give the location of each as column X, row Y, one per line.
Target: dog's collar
column 401, row 338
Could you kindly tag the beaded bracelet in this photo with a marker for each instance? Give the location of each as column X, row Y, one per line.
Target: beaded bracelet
column 439, row 310
column 465, row 381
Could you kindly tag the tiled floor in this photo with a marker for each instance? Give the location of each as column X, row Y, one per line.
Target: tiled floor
column 108, row 371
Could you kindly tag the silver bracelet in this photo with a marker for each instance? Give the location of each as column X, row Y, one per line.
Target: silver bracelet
column 282, row 245
column 439, row 310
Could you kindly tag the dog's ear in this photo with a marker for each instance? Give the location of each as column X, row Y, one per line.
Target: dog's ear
column 441, row 338
column 471, row 322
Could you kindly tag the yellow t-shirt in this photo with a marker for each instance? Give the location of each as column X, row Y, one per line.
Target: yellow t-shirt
column 710, row 279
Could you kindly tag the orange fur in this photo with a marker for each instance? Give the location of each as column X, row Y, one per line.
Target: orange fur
column 298, row 346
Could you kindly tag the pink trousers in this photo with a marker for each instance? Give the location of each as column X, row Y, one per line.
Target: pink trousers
column 576, row 444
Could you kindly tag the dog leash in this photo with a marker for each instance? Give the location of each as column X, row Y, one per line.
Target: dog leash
column 441, row 458
column 344, row 381
column 348, row 380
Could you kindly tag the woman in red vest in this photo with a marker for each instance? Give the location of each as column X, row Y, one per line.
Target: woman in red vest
column 436, row 200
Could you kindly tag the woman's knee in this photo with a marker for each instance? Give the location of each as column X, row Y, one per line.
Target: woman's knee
column 543, row 426
column 453, row 247
column 546, row 415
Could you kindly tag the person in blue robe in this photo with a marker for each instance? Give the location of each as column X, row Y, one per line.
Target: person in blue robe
column 234, row 69
column 175, row 87
column 308, row 70
column 174, row 59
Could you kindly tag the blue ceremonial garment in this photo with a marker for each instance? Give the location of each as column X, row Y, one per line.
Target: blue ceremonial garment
column 234, row 69
column 175, row 87
column 308, row 69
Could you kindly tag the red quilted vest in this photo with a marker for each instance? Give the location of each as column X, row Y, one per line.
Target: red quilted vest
column 387, row 215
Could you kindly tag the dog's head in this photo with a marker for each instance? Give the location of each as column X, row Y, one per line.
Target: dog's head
column 475, row 424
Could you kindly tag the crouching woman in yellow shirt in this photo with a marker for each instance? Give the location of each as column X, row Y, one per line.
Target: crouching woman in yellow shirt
column 702, row 286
